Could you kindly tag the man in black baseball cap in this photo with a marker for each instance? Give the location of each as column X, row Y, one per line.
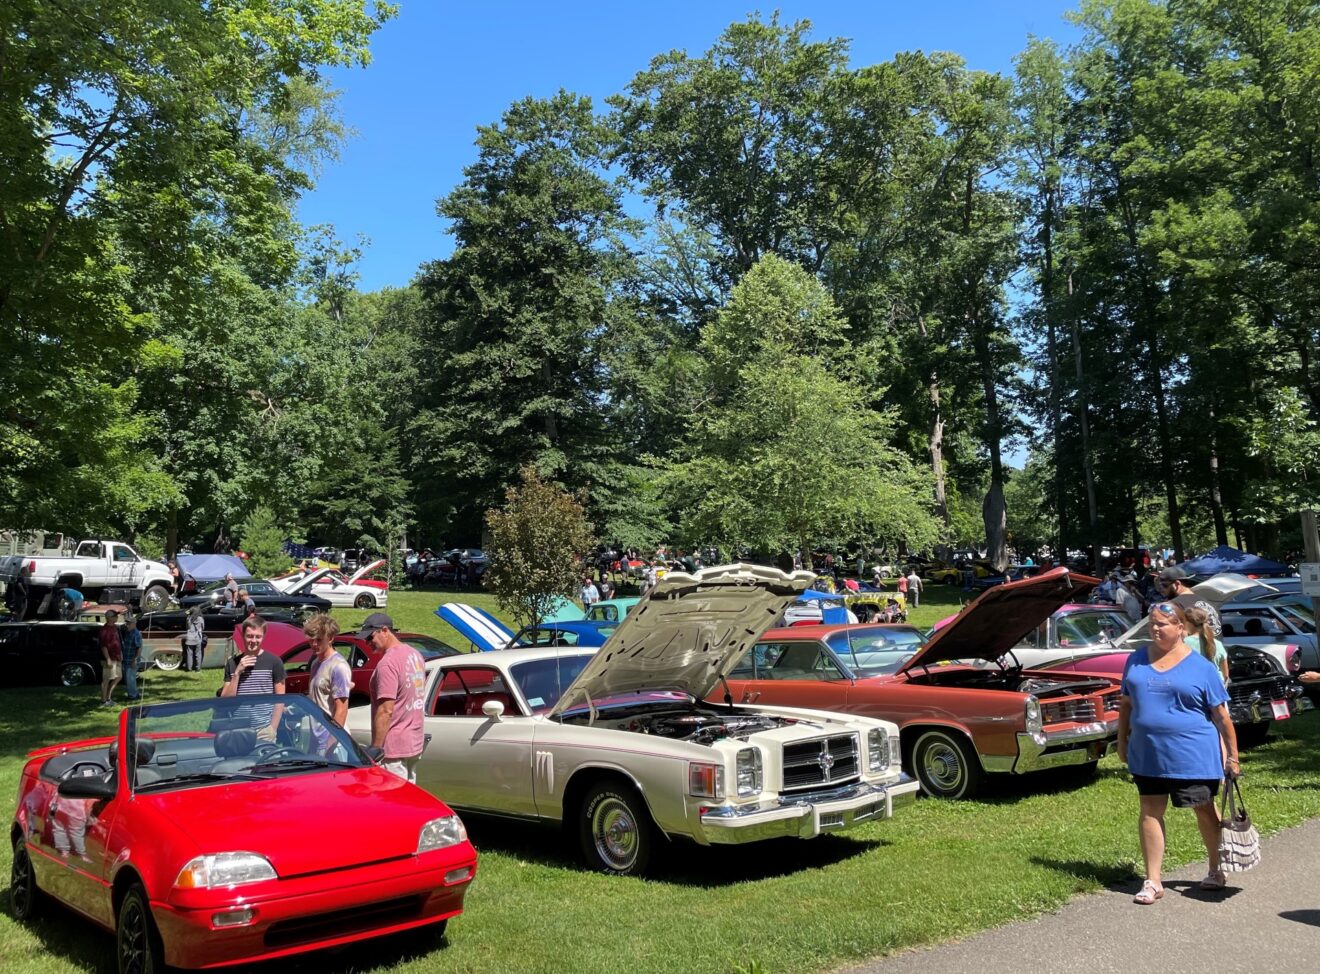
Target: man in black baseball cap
column 1172, row 585
column 398, row 688
column 373, row 622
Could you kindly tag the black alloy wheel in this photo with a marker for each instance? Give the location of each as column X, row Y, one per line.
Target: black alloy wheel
column 139, row 943
column 24, row 897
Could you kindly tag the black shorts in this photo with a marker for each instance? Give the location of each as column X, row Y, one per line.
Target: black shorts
column 1185, row 792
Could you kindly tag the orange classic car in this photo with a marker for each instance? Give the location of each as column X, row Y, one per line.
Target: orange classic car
column 965, row 708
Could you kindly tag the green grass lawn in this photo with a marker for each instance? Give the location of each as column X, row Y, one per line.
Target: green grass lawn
column 938, row 870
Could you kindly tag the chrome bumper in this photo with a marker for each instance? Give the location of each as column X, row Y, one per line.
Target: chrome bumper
column 1064, row 748
column 806, row 815
column 1259, row 710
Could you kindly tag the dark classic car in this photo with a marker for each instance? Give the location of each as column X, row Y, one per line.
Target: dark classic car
column 162, row 633
column 49, row 654
column 263, row 593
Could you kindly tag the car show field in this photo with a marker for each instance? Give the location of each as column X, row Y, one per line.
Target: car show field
column 941, row 869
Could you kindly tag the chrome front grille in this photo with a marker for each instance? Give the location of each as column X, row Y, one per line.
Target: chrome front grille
column 1081, row 709
column 823, row 761
column 1110, row 700
column 1274, row 689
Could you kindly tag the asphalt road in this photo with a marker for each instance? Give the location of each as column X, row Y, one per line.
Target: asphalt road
column 1268, row 919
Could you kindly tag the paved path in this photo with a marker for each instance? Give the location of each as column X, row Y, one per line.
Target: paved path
column 1268, row 920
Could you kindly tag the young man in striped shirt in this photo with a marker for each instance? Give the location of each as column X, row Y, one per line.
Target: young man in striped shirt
column 256, row 671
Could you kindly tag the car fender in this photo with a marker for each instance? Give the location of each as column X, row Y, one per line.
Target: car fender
column 587, row 770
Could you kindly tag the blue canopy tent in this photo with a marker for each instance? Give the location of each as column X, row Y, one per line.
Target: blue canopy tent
column 295, row 550
column 209, row 568
column 833, row 611
column 1226, row 559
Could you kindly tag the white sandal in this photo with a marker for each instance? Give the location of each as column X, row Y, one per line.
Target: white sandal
column 1150, row 892
column 1214, row 880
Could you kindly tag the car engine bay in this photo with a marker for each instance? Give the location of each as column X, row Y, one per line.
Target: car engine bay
column 700, row 725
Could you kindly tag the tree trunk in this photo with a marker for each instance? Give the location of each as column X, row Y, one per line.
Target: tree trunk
column 1052, row 349
column 1083, row 408
column 994, row 510
column 172, row 533
column 1216, row 495
column 936, row 435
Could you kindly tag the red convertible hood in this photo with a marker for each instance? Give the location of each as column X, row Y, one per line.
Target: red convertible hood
column 1001, row 617
column 308, row 822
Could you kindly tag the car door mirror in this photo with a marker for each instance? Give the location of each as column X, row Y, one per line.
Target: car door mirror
column 90, row 786
column 493, row 709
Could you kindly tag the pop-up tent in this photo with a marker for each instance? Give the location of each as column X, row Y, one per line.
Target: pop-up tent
column 1226, row 559
column 209, row 568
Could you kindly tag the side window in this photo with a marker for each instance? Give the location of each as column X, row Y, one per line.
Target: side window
column 299, row 662
column 88, row 549
column 548, row 637
column 124, row 554
column 746, row 667
column 347, row 650
column 463, row 692
column 804, row 661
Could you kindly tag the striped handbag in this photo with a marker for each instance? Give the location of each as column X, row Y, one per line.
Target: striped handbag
column 1239, row 843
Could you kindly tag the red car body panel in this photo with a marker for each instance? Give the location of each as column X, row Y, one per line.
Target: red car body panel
column 329, row 890
column 362, row 660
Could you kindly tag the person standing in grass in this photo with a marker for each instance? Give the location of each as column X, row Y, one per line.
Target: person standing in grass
column 130, row 641
column 398, row 698
column 112, row 655
column 913, row 588
column 1172, row 717
column 331, row 678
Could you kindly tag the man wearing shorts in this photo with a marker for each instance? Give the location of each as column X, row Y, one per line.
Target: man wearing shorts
column 398, row 698
column 112, row 656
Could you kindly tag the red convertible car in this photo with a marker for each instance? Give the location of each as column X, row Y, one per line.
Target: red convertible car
column 176, row 834
column 963, row 713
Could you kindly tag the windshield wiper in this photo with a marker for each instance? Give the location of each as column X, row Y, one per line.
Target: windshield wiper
column 302, row 763
column 199, row 776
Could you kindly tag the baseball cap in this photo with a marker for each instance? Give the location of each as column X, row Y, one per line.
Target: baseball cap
column 1172, row 574
column 377, row 620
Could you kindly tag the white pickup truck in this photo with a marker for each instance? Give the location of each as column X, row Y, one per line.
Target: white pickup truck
column 96, row 568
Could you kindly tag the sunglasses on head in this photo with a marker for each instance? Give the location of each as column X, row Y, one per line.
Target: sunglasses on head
column 1164, row 608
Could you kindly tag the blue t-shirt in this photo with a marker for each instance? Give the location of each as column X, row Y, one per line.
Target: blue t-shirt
column 1171, row 734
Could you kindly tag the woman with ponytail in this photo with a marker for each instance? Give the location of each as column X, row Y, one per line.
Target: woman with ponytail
column 1201, row 636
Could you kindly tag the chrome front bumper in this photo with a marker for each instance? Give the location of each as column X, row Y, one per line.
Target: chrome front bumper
column 1065, row 748
column 807, row 815
column 1259, row 710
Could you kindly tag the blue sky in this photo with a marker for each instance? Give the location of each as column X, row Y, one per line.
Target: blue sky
column 441, row 69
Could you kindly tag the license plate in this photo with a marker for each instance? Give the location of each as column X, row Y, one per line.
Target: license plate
column 1281, row 711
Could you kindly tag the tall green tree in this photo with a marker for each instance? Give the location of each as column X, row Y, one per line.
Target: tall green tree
column 519, row 315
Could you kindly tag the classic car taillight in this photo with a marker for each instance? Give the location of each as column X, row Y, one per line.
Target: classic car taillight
column 706, row 780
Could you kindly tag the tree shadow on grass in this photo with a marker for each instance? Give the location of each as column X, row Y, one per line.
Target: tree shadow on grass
column 680, row 862
column 1115, row 878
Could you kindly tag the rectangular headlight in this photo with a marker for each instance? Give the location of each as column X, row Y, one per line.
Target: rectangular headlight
column 706, row 780
column 224, row 869
column 440, row 833
column 877, row 749
column 749, row 771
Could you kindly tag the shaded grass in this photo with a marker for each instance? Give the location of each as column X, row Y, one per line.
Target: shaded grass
column 938, row 870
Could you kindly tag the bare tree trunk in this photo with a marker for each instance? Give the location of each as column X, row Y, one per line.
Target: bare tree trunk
column 994, row 509
column 1216, row 494
column 1083, row 410
column 1052, row 349
column 172, row 532
column 936, row 436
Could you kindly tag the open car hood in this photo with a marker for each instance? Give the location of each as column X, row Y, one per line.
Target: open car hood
column 365, row 570
column 1218, row 589
column 1002, row 617
column 305, row 586
column 688, row 631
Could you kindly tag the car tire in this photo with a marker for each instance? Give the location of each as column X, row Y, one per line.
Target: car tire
column 155, row 598
column 74, row 675
column 168, row 659
column 946, row 765
column 1252, row 735
column 615, row 830
column 25, row 899
column 364, row 601
column 138, row 944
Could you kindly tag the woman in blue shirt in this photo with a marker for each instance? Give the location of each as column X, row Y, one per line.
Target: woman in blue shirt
column 1171, row 717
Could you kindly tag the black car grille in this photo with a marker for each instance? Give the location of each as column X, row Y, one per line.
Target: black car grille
column 824, row 761
column 1078, row 709
column 1275, row 688
column 302, row 930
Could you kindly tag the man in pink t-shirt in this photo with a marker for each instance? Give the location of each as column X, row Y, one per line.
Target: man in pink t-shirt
column 398, row 697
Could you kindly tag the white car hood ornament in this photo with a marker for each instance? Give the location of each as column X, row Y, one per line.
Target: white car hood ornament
column 687, row 632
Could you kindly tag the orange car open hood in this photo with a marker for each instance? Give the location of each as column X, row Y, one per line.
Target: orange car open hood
column 1002, row 617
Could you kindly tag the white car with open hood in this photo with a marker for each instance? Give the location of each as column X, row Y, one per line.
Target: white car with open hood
column 356, row 591
column 618, row 746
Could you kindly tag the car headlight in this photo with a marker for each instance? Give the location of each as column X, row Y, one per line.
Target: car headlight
column 224, row 869
column 441, row 833
column 706, row 780
column 1033, row 714
column 1293, row 654
column 877, row 749
column 749, row 771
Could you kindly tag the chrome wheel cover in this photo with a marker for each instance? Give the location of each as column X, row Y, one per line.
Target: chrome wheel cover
column 942, row 765
column 614, row 832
